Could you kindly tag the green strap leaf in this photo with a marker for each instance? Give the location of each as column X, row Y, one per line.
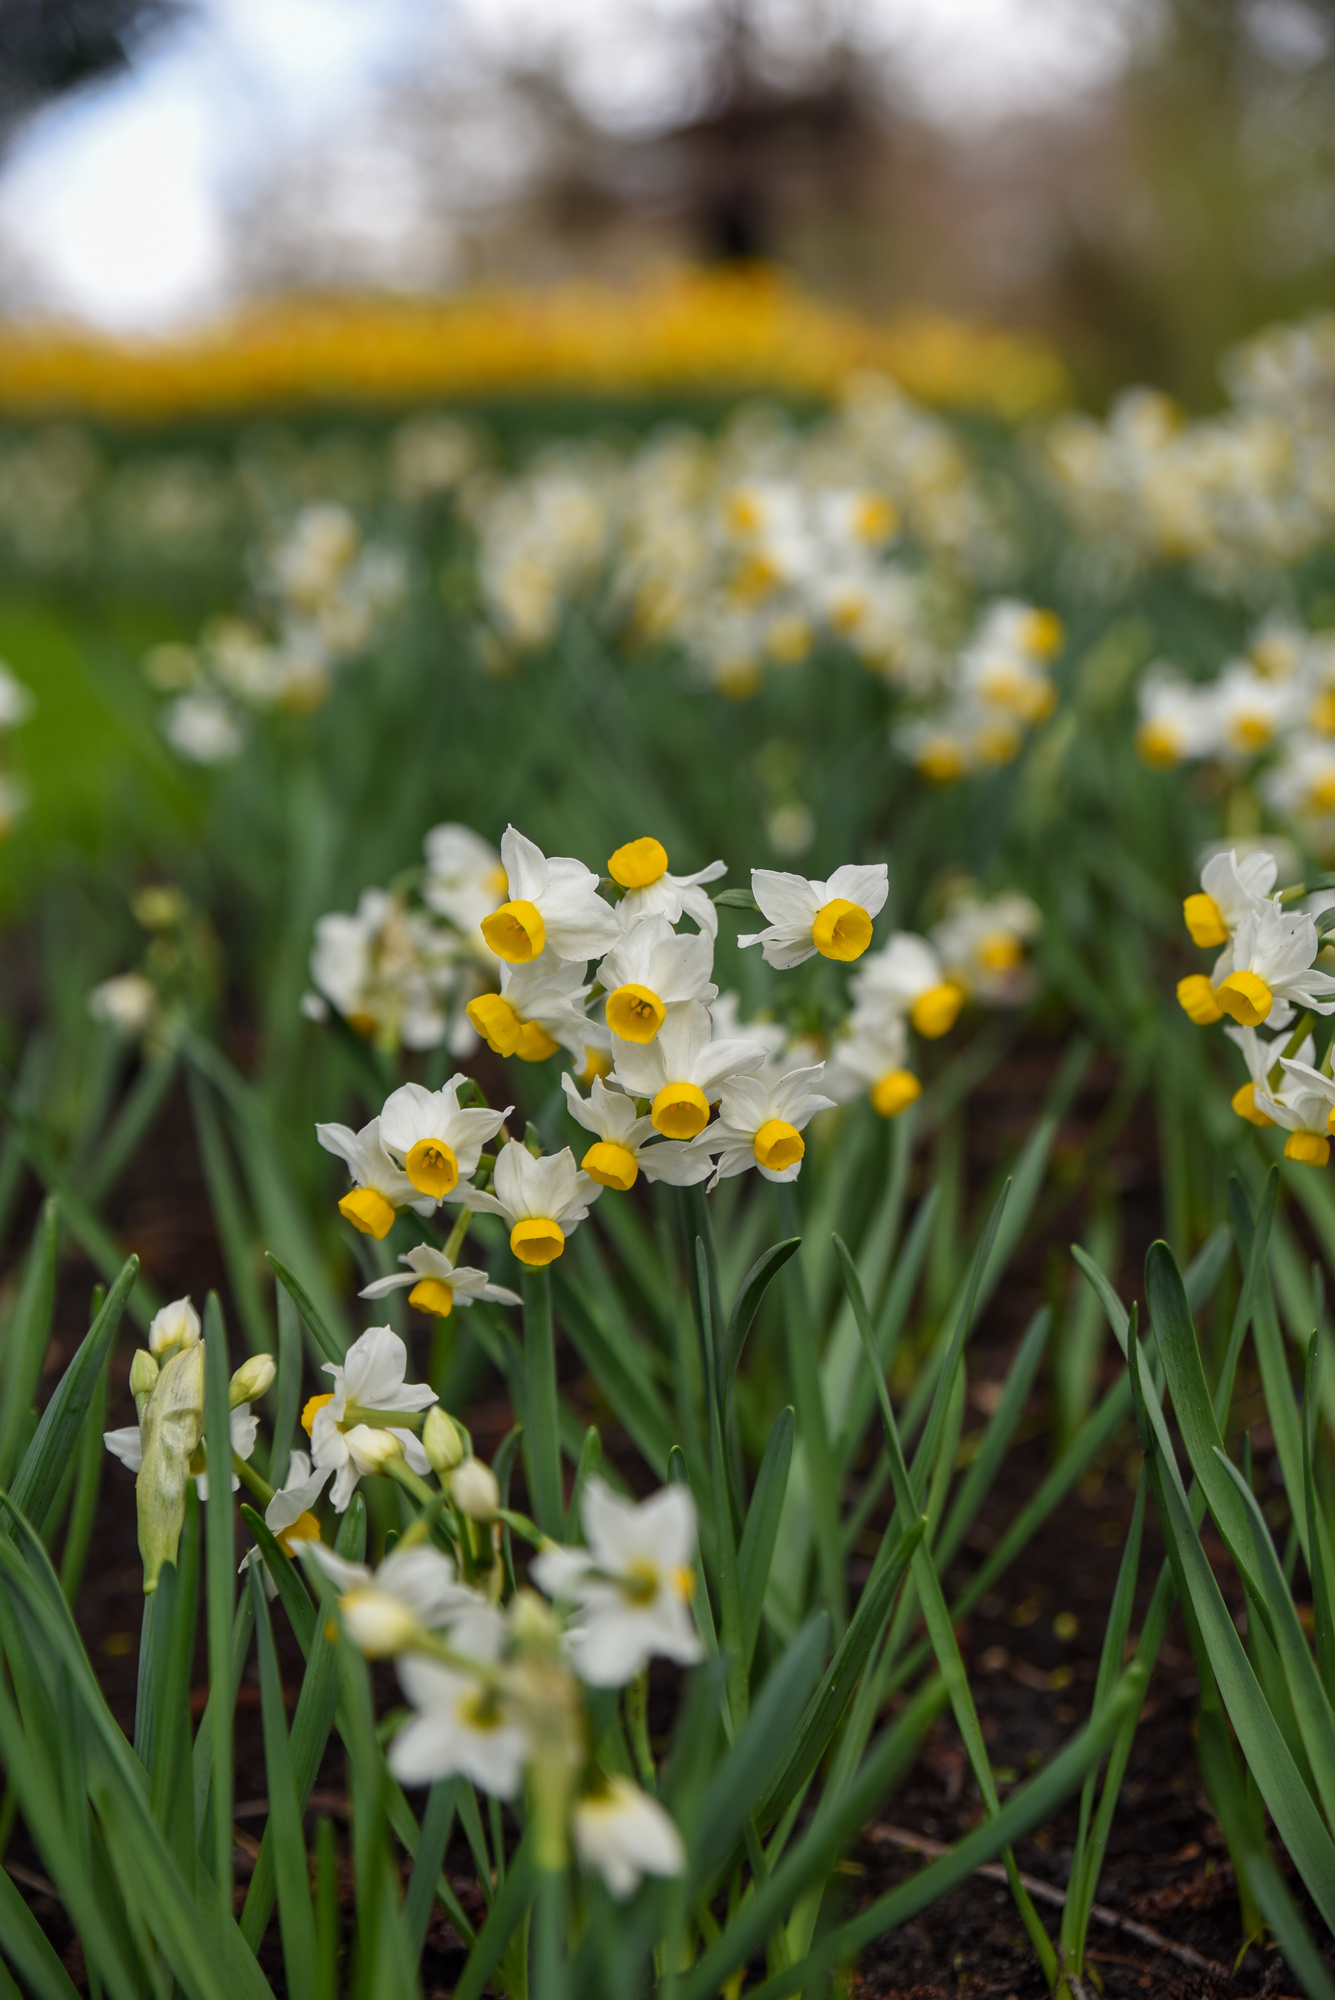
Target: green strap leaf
column 47, row 1456
column 27, row 1334
column 747, row 1305
column 760, row 1533
column 297, row 1919
column 332, row 1348
column 220, row 1593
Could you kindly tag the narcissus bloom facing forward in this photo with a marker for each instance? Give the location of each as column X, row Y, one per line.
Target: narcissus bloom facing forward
column 347, row 1426
column 381, row 1188
column 833, row 918
column 760, row 1123
column 641, row 869
column 551, row 901
column 683, row 1068
column 541, row 1200
column 621, row 1151
column 1273, row 958
column 461, row 1722
column 633, row 1583
column 436, row 1141
column 437, row 1285
column 650, row 969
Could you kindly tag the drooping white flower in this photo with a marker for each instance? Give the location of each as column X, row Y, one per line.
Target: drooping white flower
column 436, row 1140
column 648, row 970
column 640, row 867
column 1304, row 1105
column 173, row 1327
column 542, row 1200
column 367, row 1383
column 633, row 1583
column 833, row 917
column 551, row 900
column 760, row 1123
column 1261, row 1053
column 1272, row 957
column 539, row 1009
column 438, row 1286
column 622, row 1150
column 623, row 1834
column 907, row 977
column 683, row 1068
column 462, row 1722
column 380, row 1186
column 413, row 1590
column 1230, row 890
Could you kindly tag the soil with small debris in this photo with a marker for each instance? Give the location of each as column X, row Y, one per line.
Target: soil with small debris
column 1031, row 1645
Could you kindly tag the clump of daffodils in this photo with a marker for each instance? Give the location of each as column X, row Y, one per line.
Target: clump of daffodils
column 997, row 688
column 1267, row 976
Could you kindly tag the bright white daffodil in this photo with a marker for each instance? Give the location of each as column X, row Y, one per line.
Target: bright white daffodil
column 462, row 1722
column 551, row 901
column 760, row 1123
column 872, row 1057
column 683, row 1068
column 414, row 1590
column 541, row 1200
column 833, row 917
column 1261, row 1053
column 633, row 1583
column 623, row 1834
column 648, row 970
column 288, row 1516
column 437, row 1141
column 347, row 1426
column 1272, row 957
column 981, row 946
column 622, row 1151
column 1304, row 1105
column 641, row 869
column 1230, row 890
column 539, row 1009
column 907, row 977
column 438, row 1286
column 380, row 1186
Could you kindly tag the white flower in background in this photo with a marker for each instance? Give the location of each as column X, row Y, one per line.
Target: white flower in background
column 16, row 701
column 1178, row 719
column 380, row 1187
column 633, row 1583
column 872, row 1056
column 288, row 1516
column 1250, row 710
column 203, row 728
column 760, row 1123
column 539, row 1009
column 1261, row 1053
column 682, row 1070
column 414, row 1590
column 309, row 561
column 438, row 1286
column 726, row 1014
column 552, row 900
column 641, row 869
column 907, row 977
column 541, row 1200
column 833, row 918
column 1230, row 890
column 621, row 1150
column 436, row 1140
column 464, row 879
column 981, row 946
column 462, row 1722
column 128, row 1003
column 623, row 1834
column 346, row 1425
column 1272, row 957
column 648, row 970
column 1301, row 782
column 1304, row 1104
column 389, row 971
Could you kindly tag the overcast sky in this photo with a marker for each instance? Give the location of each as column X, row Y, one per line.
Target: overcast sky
column 114, row 205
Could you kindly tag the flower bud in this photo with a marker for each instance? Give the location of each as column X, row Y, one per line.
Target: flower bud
column 533, row 1622
column 143, row 1377
column 252, row 1380
column 378, row 1623
column 170, row 1429
column 174, row 1328
column 372, row 1448
column 441, row 1441
column 474, row 1490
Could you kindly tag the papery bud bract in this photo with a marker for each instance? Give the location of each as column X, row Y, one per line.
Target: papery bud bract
column 253, row 1379
column 170, row 1428
column 441, row 1440
column 378, row 1623
column 474, row 1490
column 175, row 1327
column 143, row 1374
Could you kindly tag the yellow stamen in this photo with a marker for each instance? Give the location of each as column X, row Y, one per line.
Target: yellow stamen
column 537, row 1240
column 640, row 1581
column 1204, row 920
column 1043, row 633
column 1244, row 1103
column 432, row 1295
column 479, row 1709
column 515, row 932
column 432, row 1167
column 1000, row 951
column 304, row 1529
column 841, row 930
column 611, row 1165
column 1198, row 1000
column 680, row 1110
column 635, row 1013
column 1246, row 997
column 935, row 1012
column 1311, row 1148
column 497, row 1023
column 1159, row 745
column 778, row 1145
column 1251, row 732
column 897, row 1089
column 1321, row 794
column 312, row 1411
column 367, row 1210
column 535, row 1044
column 638, row 863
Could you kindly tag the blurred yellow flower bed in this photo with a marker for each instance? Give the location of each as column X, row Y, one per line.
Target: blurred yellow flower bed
column 693, row 331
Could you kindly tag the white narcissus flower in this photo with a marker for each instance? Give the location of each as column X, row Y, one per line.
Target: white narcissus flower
column 367, row 1384
column 1178, row 719
column 981, row 946
column 381, row 1188
column 462, row 1722
column 435, row 1139
column 872, row 1057
column 1272, row 957
column 633, row 1583
column 539, row 1009
column 907, row 977
column 760, row 1123
column 173, row 1327
column 542, row 1200
column 1230, row 890
column 288, row 1516
column 621, row 1151
column 682, row 1070
column 1261, row 1053
column 552, row 901
column 641, row 869
column 1304, row 1105
column 833, row 918
column 414, row 1590
column 438, row 1286
column 624, row 1834
column 649, row 969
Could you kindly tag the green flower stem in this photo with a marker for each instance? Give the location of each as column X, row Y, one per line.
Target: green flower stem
column 454, row 1242
column 248, row 1476
column 412, row 1482
column 384, row 1420
column 637, row 1725
column 1301, row 1028
column 526, row 1529
column 542, row 1438
column 421, row 1528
